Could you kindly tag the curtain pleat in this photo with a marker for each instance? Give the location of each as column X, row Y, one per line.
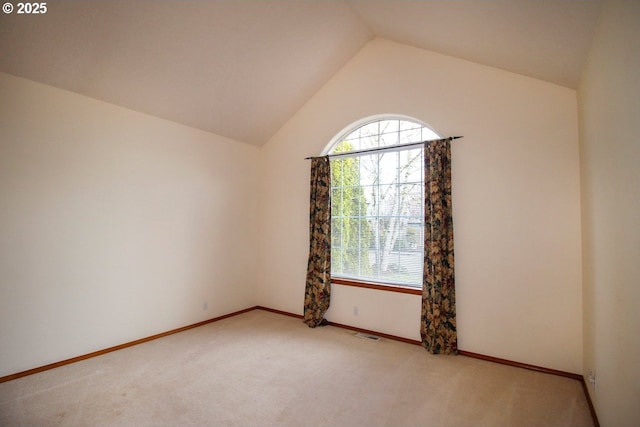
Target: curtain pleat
column 318, row 283
column 438, row 325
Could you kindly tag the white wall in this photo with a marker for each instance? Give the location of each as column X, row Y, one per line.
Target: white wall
column 114, row 225
column 609, row 98
column 516, row 201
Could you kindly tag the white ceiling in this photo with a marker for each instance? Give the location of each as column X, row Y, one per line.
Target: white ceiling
column 241, row 68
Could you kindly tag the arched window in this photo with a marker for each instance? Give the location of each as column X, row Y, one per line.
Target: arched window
column 377, row 202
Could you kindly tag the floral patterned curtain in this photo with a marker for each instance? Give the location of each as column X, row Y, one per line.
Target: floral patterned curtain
column 318, row 285
column 438, row 326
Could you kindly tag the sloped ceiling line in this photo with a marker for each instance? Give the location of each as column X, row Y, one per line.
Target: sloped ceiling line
column 241, row 69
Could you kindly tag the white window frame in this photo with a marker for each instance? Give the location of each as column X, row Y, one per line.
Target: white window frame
column 341, row 136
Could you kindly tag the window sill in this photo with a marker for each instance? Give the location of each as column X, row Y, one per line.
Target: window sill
column 377, row 286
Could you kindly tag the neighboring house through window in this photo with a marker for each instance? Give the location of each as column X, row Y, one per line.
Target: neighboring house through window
column 377, row 203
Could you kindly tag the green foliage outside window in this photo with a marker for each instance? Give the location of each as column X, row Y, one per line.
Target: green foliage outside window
column 351, row 232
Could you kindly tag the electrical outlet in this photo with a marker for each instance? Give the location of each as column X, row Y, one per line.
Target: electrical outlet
column 592, row 379
column 355, row 310
column 205, row 305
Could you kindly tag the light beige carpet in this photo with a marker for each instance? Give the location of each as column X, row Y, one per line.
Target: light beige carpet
column 265, row 369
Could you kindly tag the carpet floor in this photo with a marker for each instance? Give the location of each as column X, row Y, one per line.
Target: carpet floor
column 265, row 369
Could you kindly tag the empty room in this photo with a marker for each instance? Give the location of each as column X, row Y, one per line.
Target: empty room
column 320, row 212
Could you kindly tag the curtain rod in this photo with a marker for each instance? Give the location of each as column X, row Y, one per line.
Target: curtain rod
column 390, row 147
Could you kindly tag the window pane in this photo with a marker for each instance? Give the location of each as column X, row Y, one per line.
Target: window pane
column 389, row 126
column 389, row 139
column 370, row 129
column 388, row 164
column 370, row 141
column 411, row 200
column 347, row 145
column 336, row 173
column 406, row 125
column 411, row 163
column 387, row 199
column 336, row 202
column 371, row 195
column 409, row 136
column 368, row 170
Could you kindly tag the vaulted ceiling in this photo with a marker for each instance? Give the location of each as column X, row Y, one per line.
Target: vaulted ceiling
column 241, row 68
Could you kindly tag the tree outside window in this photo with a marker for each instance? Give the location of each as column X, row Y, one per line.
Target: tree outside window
column 377, row 204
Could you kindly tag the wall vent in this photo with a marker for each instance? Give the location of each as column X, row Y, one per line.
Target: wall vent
column 367, row 336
